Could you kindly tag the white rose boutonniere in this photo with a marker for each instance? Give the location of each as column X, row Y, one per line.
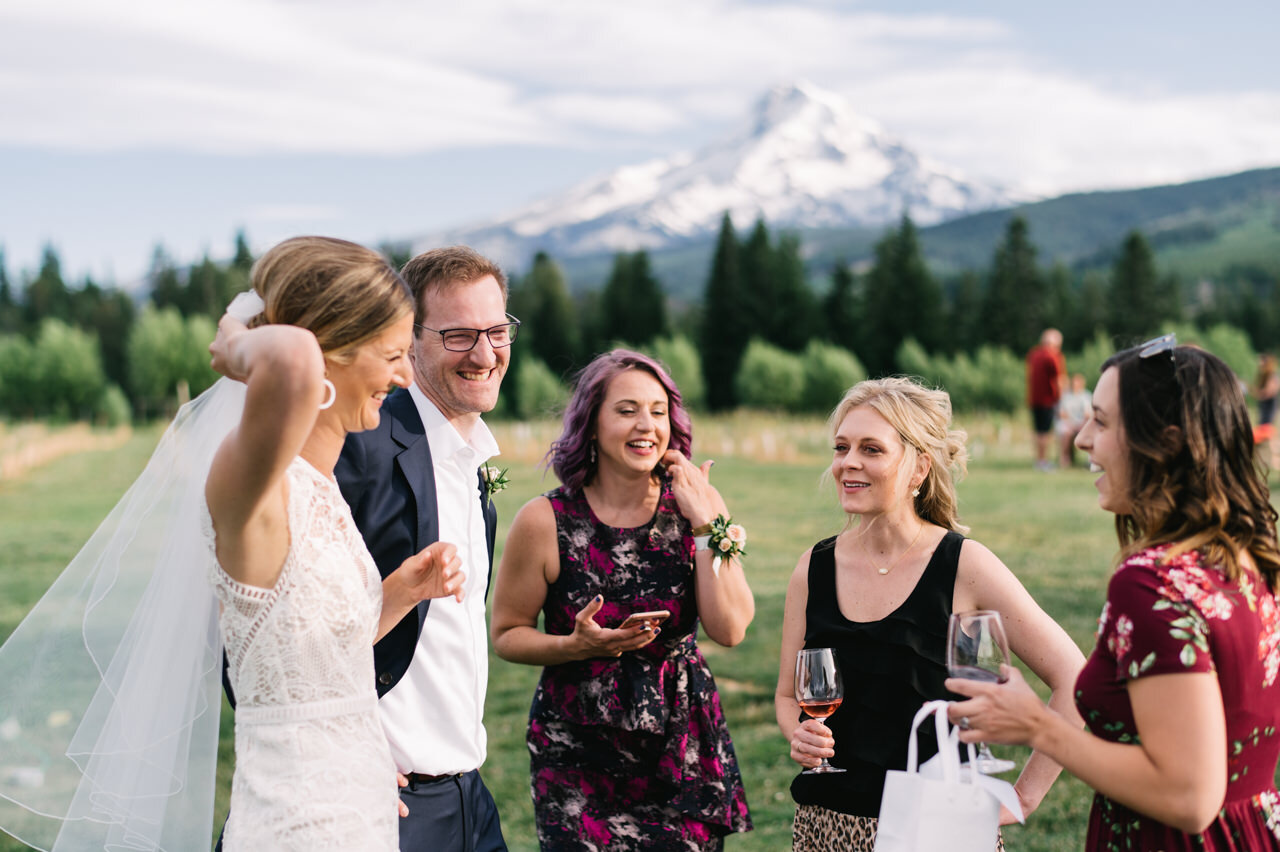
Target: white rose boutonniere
column 495, row 480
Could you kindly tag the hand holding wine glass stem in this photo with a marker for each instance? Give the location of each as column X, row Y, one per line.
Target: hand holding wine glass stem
column 978, row 650
column 818, row 690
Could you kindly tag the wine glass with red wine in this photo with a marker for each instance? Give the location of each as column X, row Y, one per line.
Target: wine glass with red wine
column 819, row 690
column 976, row 649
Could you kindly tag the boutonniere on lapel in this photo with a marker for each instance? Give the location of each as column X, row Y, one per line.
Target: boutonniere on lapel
column 495, row 480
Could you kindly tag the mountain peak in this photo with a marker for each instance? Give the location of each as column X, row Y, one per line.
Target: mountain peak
column 805, row 102
column 805, row 158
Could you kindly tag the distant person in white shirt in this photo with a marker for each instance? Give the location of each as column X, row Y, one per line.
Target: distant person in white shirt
column 1074, row 409
column 417, row 479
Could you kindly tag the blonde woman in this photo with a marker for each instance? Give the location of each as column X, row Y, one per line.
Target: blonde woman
column 880, row 593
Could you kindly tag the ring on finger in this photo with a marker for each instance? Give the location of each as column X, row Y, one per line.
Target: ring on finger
column 964, row 723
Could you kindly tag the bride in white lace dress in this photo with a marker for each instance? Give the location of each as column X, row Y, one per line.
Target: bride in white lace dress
column 110, row 691
column 300, row 601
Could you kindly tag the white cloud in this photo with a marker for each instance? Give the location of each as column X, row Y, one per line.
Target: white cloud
column 399, row 76
column 1055, row 133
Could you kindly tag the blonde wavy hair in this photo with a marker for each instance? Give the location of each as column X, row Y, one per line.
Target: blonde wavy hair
column 343, row 293
column 922, row 418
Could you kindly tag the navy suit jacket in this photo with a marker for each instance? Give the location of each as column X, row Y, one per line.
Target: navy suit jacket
column 387, row 478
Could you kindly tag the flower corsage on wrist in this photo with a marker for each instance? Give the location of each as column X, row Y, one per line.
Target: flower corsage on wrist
column 723, row 537
column 495, row 480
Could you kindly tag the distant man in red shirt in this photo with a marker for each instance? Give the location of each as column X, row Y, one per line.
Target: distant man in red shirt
column 1046, row 369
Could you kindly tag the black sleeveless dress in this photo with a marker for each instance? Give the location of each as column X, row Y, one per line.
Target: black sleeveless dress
column 889, row 667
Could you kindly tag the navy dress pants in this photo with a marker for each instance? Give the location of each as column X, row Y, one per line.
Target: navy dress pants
column 453, row 814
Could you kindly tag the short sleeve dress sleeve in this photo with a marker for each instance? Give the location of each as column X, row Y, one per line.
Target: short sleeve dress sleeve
column 1155, row 619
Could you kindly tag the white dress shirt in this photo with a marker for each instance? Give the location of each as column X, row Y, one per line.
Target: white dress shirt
column 434, row 716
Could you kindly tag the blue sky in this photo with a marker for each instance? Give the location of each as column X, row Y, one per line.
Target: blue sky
column 151, row 121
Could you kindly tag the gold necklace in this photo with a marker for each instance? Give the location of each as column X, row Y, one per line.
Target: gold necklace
column 903, row 555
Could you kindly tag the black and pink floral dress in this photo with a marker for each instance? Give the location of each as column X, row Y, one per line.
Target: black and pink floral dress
column 630, row 753
column 1171, row 614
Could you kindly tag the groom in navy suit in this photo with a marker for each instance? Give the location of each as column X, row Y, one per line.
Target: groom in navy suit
column 417, row 479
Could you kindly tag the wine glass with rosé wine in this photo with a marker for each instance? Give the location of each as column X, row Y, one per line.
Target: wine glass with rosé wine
column 976, row 649
column 819, row 691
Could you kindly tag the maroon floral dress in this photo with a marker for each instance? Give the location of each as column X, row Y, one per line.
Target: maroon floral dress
column 630, row 753
column 1166, row 615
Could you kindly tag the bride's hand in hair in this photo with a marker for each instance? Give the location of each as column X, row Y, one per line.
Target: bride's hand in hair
column 221, row 348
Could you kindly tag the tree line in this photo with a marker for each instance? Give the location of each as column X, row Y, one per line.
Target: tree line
column 767, row 332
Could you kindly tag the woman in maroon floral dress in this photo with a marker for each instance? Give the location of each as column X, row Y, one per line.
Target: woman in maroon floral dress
column 628, row 745
column 1181, row 694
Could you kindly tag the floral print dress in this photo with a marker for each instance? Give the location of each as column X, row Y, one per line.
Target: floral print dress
column 630, row 753
column 1167, row 614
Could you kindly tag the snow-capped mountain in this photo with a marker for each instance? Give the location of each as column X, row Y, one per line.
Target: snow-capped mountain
column 805, row 159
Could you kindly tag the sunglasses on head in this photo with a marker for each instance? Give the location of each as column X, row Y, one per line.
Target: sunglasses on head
column 1156, row 345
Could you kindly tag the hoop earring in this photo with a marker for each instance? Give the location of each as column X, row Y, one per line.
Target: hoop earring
column 332, row 396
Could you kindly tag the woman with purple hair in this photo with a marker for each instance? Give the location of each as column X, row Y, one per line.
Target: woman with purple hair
column 628, row 745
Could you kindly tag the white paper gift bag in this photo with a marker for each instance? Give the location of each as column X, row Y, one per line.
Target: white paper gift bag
column 922, row 814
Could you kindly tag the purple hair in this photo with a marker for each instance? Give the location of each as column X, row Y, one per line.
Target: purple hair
column 570, row 454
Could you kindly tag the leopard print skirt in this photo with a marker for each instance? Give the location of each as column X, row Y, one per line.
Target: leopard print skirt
column 817, row 829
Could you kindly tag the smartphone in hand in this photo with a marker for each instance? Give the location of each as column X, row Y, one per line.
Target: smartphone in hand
column 653, row 618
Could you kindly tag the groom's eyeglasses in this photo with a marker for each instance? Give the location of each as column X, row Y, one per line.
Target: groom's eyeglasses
column 465, row 339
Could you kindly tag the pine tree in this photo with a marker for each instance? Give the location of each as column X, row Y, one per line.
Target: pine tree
column 1015, row 302
column 108, row 314
column 1134, row 303
column 840, row 309
column 1059, row 309
column 967, row 326
column 757, row 268
column 554, row 337
column 1091, row 313
column 1168, row 298
column 726, row 321
column 587, row 305
column 243, row 259
column 649, row 309
column 793, row 323
column 632, row 305
column 10, row 321
column 167, row 289
column 397, row 254
column 902, row 299
column 47, row 295
column 205, row 290
column 615, row 300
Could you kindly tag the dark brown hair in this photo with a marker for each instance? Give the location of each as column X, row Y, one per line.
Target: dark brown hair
column 1197, row 486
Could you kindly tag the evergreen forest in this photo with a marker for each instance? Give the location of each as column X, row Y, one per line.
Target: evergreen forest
column 778, row 325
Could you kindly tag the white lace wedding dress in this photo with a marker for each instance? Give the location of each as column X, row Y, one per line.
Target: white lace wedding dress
column 313, row 770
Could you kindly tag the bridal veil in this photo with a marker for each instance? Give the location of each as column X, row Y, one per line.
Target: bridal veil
column 110, row 688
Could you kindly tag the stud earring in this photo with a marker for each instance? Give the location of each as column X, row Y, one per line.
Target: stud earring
column 916, row 492
column 331, row 397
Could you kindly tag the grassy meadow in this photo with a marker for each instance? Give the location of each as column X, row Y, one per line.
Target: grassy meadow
column 1046, row 527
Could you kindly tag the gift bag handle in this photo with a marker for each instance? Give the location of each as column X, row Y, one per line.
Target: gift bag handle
column 950, row 760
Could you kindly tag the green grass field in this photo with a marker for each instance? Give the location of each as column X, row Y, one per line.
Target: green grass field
column 1047, row 528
